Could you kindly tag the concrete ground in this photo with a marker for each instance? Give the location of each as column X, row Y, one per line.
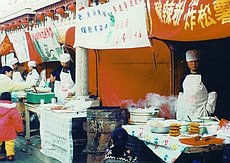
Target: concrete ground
column 29, row 153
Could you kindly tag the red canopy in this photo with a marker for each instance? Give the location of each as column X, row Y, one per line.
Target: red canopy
column 190, row 20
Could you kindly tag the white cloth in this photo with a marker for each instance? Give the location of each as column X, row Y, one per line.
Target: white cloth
column 33, row 77
column 13, row 61
column 195, row 100
column 8, row 85
column 17, row 76
column 57, row 87
column 32, row 64
column 66, row 83
column 42, row 82
column 192, row 55
column 65, row 57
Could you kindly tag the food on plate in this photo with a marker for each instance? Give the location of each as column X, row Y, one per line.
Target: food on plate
column 174, row 129
column 57, row 108
column 194, row 128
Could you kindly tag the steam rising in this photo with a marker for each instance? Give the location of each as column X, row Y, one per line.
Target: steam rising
column 164, row 104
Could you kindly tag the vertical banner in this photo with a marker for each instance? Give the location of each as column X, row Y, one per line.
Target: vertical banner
column 34, row 55
column 20, row 46
column 116, row 24
column 6, row 46
column 46, row 43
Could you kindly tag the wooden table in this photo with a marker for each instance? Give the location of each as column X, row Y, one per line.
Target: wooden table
column 33, row 108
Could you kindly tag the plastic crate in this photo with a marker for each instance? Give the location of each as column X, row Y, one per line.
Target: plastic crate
column 36, row 97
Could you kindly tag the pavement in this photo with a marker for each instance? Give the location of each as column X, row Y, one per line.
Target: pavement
column 30, row 152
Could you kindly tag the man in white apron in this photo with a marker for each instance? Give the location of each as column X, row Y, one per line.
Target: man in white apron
column 194, row 98
column 19, row 72
column 67, row 76
column 33, row 76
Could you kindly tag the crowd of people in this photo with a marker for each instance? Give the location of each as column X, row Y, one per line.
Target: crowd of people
column 14, row 77
column 196, row 98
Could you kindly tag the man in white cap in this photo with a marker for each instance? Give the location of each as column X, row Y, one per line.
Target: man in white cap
column 67, row 76
column 33, row 75
column 19, row 72
column 196, row 98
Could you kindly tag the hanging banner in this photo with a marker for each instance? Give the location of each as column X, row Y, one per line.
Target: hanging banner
column 18, row 39
column 6, row 46
column 46, row 43
column 6, row 58
column 34, row 56
column 116, row 24
column 189, row 20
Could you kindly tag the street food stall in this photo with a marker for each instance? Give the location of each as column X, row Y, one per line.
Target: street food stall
column 62, row 126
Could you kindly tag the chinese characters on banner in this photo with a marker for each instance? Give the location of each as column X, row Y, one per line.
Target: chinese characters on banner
column 46, row 43
column 185, row 20
column 5, row 46
column 116, row 24
column 20, row 46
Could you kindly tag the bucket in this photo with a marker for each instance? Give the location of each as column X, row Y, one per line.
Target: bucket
column 101, row 121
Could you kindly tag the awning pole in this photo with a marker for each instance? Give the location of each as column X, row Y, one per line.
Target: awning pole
column 81, row 63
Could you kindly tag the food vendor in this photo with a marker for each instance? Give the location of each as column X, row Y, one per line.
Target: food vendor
column 55, row 82
column 9, row 85
column 19, row 72
column 67, row 76
column 33, row 75
column 196, row 97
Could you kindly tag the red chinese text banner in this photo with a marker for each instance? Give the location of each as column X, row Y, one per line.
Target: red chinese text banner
column 6, row 46
column 189, row 20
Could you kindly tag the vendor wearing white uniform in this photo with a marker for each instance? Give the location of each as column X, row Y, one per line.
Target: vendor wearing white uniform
column 195, row 99
column 9, row 85
column 19, row 72
column 67, row 76
column 33, row 76
column 55, row 82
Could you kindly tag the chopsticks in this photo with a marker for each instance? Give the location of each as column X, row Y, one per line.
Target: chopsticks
column 217, row 119
column 189, row 118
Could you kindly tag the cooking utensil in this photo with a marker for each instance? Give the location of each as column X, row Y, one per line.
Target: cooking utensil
column 217, row 119
column 189, row 118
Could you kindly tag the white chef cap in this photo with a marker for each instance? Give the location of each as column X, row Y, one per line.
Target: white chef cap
column 192, row 55
column 12, row 61
column 65, row 57
column 32, row 63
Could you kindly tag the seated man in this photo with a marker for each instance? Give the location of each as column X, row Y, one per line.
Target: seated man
column 118, row 152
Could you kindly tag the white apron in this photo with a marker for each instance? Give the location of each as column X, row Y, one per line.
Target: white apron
column 193, row 100
column 17, row 76
column 66, row 83
column 33, row 77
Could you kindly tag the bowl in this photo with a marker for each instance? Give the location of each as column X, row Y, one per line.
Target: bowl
column 140, row 116
column 196, row 121
column 161, row 129
column 156, row 119
column 203, row 130
column 207, row 119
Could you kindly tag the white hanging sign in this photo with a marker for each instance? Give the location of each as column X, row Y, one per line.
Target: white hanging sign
column 113, row 25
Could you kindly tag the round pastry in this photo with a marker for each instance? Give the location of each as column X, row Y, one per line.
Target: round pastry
column 174, row 129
